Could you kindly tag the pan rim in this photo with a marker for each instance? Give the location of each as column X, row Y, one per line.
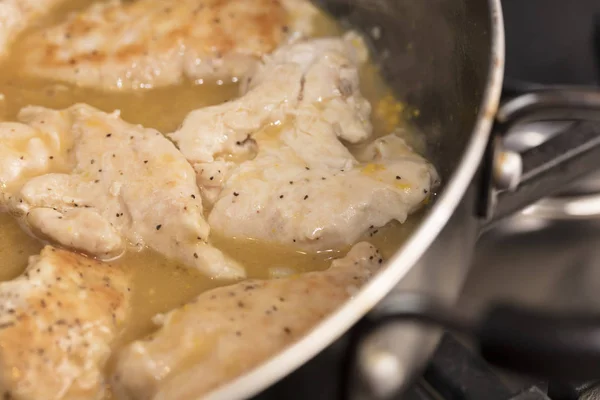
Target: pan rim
column 405, row 258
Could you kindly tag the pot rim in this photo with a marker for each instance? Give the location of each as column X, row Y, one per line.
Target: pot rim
column 404, row 259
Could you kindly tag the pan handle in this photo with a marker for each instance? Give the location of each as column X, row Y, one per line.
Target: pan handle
column 511, row 180
column 540, row 344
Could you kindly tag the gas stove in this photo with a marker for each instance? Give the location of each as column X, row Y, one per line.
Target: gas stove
column 547, row 254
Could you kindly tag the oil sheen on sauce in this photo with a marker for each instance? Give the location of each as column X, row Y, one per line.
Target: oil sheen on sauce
column 159, row 284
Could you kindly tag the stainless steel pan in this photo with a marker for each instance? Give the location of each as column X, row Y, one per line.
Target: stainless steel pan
column 446, row 58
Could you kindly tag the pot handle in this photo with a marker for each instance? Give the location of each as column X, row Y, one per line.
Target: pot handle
column 541, row 344
column 511, row 180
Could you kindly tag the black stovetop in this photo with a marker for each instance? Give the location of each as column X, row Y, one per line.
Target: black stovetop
column 547, row 42
column 454, row 373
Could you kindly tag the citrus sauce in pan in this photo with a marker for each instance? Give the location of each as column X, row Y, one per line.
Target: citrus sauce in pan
column 160, row 285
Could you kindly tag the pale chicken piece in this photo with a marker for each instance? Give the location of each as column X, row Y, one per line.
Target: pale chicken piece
column 17, row 15
column 122, row 186
column 58, row 323
column 277, row 198
column 225, row 332
column 274, row 165
column 126, row 45
column 288, row 82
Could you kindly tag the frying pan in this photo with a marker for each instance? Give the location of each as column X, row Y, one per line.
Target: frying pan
column 446, row 57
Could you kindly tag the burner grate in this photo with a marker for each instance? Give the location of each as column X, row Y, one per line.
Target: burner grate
column 455, row 373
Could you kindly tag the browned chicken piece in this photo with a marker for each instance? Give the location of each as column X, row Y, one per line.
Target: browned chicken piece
column 230, row 330
column 149, row 43
column 16, row 15
column 57, row 323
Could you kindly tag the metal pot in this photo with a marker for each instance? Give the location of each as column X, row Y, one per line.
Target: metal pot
column 446, row 58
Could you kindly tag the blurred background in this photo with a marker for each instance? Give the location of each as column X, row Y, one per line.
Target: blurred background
column 550, row 254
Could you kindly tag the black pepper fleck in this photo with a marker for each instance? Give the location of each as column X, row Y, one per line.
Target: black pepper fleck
column 158, row 227
column 108, row 134
column 305, row 197
column 236, row 194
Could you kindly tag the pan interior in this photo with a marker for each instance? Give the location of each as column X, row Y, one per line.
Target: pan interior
column 434, row 55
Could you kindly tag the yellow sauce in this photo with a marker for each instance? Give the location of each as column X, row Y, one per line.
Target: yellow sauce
column 160, row 285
